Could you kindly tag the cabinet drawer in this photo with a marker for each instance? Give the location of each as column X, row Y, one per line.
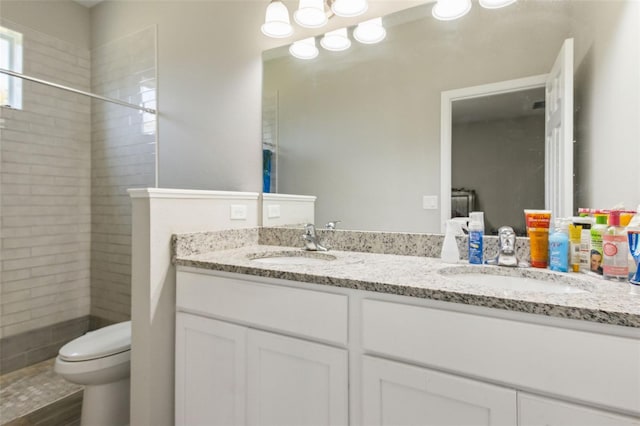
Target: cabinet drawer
column 576, row 364
column 309, row 313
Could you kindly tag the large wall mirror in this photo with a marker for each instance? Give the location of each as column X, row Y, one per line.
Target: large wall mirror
column 361, row 129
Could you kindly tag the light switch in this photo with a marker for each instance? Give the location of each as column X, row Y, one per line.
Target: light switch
column 430, row 202
column 273, row 211
column 238, row 212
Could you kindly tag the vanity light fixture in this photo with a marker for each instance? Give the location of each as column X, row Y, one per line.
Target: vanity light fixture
column 495, row 4
column 370, row 32
column 276, row 21
column 310, row 14
column 304, row 49
column 448, row 10
column 349, row 8
column 336, row 40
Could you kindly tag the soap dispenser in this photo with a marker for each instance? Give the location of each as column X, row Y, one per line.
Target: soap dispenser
column 450, row 252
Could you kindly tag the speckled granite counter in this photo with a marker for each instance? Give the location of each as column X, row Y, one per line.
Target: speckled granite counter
column 596, row 300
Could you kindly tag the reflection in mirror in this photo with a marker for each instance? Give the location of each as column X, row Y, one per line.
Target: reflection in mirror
column 360, row 129
column 506, row 130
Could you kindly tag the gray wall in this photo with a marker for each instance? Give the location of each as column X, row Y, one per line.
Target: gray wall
column 516, row 148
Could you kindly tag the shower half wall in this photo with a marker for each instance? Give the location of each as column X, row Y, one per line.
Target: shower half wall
column 66, row 162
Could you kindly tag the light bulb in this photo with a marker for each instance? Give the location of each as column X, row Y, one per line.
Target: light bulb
column 448, row 10
column 370, row 32
column 349, row 8
column 276, row 21
column 495, row 4
column 304, row 49
column 310, row 14
column 336, row 40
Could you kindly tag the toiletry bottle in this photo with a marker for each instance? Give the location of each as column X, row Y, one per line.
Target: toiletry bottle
column 633, row 234
column 597, row 231
column 476, row 237
column 575, row 233
column 450, row 252
column 559, row 247
column 585, row 241
column 614, row 249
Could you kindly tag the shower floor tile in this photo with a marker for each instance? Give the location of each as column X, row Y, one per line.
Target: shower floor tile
column 30, row 389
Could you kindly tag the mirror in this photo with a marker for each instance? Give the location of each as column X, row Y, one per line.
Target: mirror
column 360, row 129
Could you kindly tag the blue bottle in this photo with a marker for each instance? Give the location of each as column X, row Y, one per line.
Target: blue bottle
column 476, row 237
column 559, row 247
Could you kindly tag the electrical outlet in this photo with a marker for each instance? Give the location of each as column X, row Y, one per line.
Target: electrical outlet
column 430, row 202
column 273, row 211
column 238, row 212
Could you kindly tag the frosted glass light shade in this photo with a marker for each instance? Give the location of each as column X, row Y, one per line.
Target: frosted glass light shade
column 349, row 8
column 276, row 21
column 336, row 40
column 495, row 4
column 310, row 14
column 304, row 49
column 448, row 10
column 370, row 32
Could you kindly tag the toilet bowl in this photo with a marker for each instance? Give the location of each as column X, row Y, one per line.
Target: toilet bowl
column 100, row 360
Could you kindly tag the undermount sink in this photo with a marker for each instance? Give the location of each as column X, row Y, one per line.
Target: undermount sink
column 304, row 258
column 529, row 281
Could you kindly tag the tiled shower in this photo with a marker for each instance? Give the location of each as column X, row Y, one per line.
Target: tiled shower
column 66, row 163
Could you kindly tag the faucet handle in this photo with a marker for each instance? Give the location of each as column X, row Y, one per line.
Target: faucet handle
column 310, row 229
column 332, row 224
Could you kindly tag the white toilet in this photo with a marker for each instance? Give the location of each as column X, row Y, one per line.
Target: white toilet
column 100, row 360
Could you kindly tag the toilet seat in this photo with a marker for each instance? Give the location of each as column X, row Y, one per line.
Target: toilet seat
column 101, row 343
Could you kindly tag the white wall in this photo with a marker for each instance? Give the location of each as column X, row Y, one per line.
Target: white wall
column 608, row 104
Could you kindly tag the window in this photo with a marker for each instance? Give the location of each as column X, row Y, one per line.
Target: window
column 10, row 59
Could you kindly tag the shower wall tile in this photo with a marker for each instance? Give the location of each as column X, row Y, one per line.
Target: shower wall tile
column 45, row 186
column 123, row 156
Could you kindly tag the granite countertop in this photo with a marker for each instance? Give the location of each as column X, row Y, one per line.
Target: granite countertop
column 596, row 300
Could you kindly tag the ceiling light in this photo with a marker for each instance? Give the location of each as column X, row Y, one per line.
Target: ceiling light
column 370, row 32
column 349, row 8
column 336, row 40
column 495, row 4
column 304, row 49
column 447, row 10
column 310, row 14
column 276, row 21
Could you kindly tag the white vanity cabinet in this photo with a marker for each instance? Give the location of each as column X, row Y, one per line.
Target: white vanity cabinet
column 401, row 394
column 231, row 371
column 538, row 411
column 263, row 351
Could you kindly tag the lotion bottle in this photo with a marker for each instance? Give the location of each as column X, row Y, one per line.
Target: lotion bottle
column 450, row 252
column 615, row 247
column 559, row 247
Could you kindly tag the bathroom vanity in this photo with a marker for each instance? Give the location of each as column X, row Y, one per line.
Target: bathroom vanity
column 278, row 336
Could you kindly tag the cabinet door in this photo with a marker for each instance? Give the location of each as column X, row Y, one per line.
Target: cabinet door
column 295, row 382
column 400, row 394
column 538, row 411
column 210, row 372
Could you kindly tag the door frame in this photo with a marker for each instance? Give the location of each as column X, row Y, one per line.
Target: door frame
column 446, row 101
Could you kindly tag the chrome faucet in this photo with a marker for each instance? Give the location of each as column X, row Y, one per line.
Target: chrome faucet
column 332, row 225
column 506, row 247
column 310, row 238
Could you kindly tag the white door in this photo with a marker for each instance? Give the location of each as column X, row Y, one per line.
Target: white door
column 559, row 134
column 295, row 382
column 400, row 394
column 210, row 372
column 538, row 411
